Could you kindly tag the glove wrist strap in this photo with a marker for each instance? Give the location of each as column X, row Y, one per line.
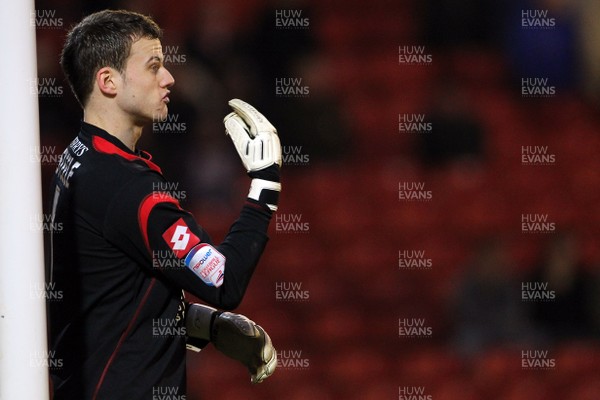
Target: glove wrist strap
column 266, row 192
column 199, row 320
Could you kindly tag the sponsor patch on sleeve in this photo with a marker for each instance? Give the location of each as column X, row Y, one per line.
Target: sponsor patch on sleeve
column 206, row 262
column 180, row 238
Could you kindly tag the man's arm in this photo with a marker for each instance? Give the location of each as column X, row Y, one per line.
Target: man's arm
column 168, row 240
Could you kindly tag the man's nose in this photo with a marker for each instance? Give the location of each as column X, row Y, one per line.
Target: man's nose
column 168, row 79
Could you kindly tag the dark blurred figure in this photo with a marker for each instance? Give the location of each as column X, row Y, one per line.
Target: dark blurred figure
column 207, row 78
column 316, row 121
column 570, row 314
column 307, row 113
column 589, row 33
column 487, row 305
column 456, row 134
column 450, row 24
column 278, row 43
column 544, row 52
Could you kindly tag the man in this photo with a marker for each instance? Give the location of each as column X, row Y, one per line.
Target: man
column 127, row 250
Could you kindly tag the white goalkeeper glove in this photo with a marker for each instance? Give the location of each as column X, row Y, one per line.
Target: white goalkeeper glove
column 258, row 146
column 236, row 336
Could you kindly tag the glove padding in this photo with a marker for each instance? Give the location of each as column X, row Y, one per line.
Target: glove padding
column 236, row 336
column 257, row 144
column 240, row 338
column 253, row 136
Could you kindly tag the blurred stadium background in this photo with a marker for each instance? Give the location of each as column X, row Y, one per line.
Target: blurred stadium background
column 497, row 264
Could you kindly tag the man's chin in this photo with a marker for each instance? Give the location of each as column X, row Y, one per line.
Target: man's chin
column 160, row 116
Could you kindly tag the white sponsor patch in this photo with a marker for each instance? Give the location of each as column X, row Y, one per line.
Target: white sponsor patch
column 206, row 262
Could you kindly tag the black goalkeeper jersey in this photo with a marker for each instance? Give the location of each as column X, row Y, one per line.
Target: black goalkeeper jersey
column 117, row 331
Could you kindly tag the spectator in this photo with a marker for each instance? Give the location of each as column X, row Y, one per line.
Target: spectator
column 568, row 315
column 487, row 305
column 456, row 133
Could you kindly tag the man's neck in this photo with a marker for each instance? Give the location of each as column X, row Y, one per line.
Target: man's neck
column 124, row 130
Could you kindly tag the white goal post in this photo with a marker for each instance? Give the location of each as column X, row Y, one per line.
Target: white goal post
column 23, row 346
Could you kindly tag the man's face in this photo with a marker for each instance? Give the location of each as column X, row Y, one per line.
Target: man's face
column 144, row 86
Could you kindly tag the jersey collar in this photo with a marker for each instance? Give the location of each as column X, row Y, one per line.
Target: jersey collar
column 106, row 143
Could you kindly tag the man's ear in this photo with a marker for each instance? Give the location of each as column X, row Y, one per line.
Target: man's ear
column 106, row 79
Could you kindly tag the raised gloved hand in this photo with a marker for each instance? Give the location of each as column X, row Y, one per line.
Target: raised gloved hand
column 236, row 336
column 258, row 146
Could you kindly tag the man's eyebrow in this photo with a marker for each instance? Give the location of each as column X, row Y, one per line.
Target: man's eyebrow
column 154, row 57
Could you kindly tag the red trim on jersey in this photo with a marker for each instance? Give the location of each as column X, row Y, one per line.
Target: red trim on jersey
column 122, row 338
column 257, row 206
column 104, row 146
column 146, row 207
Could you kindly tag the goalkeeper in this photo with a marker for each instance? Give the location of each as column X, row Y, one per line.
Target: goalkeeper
column 117, row 227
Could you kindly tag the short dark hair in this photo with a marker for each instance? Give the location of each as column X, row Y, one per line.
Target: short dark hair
column 102, row 39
